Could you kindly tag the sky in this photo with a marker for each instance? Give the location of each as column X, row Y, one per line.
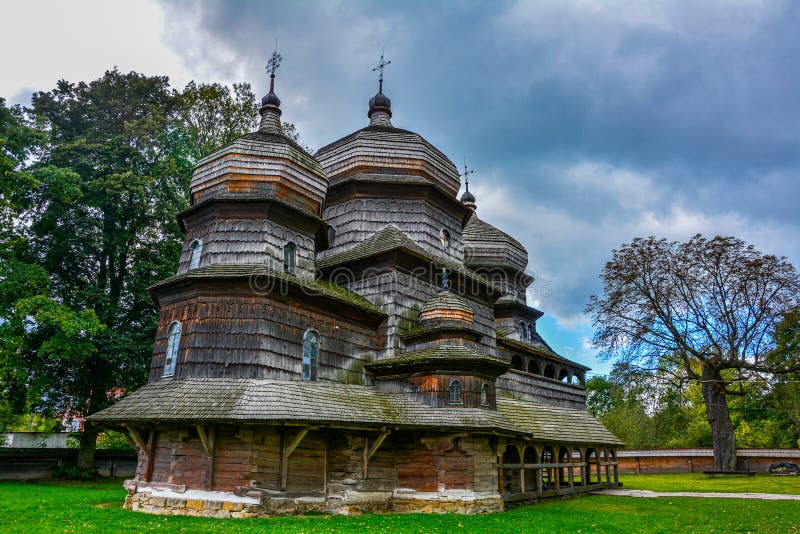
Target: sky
column 587, row 123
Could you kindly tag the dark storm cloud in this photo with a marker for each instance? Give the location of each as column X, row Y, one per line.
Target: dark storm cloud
column 588, row 124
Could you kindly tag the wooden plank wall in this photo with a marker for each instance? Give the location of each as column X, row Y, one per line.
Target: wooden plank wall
column 248, row 241
column 257, row 337
column 358, row 219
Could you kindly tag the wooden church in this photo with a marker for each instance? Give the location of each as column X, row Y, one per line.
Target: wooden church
column 343, row 335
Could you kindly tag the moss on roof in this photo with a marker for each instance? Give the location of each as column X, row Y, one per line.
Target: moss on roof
column 281, row 401
column 444, row 352
column 320, row 287
column 392, row 238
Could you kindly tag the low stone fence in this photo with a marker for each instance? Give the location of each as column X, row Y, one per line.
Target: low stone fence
column 29, row 463
column 698, row 460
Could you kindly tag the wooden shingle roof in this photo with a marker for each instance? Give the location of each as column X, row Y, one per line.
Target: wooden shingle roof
column 267, row 401
column 320, row 287
column 392, row 238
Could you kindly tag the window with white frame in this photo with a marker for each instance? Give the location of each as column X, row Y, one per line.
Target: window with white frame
column 173, row 344
column 310, row 355
column 485, row 394
column 289, row 257
column 196, row 250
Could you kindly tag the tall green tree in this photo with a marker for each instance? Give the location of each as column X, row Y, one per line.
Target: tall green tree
column 705, row 310
column 92, row 179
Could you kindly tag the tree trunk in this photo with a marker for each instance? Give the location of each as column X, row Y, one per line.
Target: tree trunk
column 88, row 444
column 722, row 436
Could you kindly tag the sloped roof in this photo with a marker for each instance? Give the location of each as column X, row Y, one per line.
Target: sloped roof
column 543, row 351
column 278, row 401
column 478, row 230
column 446, row 300
column 320, row 287
column 387, row 147
column 392, row 238
column 441, row 353
column 256, row 142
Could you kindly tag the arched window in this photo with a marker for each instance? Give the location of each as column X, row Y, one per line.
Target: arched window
column 455, row 392
column 531, row 331
column 533, row 367
column 485, row 394
column 516, row 363
column 173, row 343
column 523, row 332
column 289, row 257
column 196, row 250
column 563, row 375
column 310, row 355
column 549, row 371
column 444, row 238
column 331, row 235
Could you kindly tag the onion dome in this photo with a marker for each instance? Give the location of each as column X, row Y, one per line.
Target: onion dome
column 446, row 307
column 265, row 164
column 270, row 103
column 380, row 104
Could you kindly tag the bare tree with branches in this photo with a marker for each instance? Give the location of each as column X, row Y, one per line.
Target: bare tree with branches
column 706, row 310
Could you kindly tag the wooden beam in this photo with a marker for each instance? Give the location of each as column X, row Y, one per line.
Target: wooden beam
column 207, row 438
column 151, row 455
column 137, row 438
column 286, row 450
column 377, row 443
column 369, row 450
column 209, row 441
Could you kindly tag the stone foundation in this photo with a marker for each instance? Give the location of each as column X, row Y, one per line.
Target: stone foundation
column 224, row 504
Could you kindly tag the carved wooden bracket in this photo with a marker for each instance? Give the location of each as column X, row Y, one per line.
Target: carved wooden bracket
column 286, row 451
column 148, row 449
column 370, row 450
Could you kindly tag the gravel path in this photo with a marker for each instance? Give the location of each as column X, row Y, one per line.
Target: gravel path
column 647, row 494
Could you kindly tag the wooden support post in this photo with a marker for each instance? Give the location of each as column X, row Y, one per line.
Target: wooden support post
column 208, row 438
column 151, row 455
column 570, row 471
column 539, row 479
column 286, row 450
column 147, row 448
column 371, row 450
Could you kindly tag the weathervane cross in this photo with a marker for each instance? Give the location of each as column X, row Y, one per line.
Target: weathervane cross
column 274, row 61
column 381, row 65
column 466, row 174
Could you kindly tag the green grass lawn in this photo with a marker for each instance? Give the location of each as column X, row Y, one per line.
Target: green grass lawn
column 761, row 483
column 57, row 506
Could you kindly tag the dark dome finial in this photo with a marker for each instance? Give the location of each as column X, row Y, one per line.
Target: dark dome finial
column 468, row 199
column 270, row 103
column 380, row 107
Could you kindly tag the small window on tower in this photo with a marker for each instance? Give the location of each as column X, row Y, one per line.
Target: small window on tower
column 173, row 343
column 310, row 355
column 444, row 238
column 289, row 257
column 196, row 250
column 485, row 394
column 455, row 392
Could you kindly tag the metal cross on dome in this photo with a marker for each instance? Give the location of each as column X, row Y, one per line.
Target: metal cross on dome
column 381, row 65
column 274, row 61
column 466, row 174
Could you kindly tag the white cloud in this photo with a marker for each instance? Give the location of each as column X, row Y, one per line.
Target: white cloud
column 45, row 41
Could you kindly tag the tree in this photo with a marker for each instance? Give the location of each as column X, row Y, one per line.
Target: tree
column 92, row 179
column 212, row 115
column 704, row 311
